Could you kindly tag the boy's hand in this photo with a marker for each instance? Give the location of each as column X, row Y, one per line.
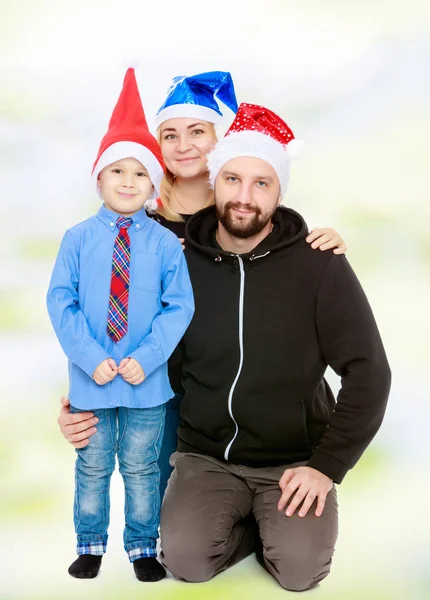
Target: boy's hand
column 106, row 371
column 131, row 371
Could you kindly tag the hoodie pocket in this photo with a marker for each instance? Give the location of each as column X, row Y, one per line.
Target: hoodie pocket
column 275, row 430
column 318, row 413
column 305, row 424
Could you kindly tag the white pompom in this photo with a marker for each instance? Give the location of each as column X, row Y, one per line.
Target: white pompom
column 151, row 205
column 295, row 149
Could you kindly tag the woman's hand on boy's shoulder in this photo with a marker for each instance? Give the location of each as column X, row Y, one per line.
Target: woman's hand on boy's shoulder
column 77, row 428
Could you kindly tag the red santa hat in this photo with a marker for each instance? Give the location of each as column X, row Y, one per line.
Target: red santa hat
column 256, row 132
column 128, row 136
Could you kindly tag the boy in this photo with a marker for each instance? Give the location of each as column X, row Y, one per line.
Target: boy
column 120, row 300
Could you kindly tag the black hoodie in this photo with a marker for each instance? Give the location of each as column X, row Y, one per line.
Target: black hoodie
column 266, row 325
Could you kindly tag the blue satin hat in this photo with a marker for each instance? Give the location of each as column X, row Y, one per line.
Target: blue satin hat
column 194, row 97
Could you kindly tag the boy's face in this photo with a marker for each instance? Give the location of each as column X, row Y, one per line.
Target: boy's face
column 125, row 186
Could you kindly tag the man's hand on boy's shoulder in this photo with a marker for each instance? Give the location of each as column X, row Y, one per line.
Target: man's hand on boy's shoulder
column 131, row 371
column 106, row 371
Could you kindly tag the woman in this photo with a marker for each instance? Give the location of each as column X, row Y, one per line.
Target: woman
column 186, row 133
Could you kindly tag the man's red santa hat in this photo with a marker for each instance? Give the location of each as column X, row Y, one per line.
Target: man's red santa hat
column 256, row 132
column 128, row 136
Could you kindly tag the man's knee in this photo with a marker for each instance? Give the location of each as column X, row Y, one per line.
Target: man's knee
column 298, row 573
column 187, row 555
column 185, row 541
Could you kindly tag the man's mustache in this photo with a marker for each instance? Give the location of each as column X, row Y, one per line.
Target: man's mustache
column 238, row 206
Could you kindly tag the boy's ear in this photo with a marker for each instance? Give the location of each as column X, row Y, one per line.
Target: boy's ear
column 98, row 180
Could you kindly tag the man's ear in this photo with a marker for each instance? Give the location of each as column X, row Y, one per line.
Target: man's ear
column 280, row 199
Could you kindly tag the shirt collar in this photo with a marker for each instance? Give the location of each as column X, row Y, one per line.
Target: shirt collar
column 108, row 217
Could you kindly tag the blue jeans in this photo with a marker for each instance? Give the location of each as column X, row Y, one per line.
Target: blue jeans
column 170, row 440
column 134, row 434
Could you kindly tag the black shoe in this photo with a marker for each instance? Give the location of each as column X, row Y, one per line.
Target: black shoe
column 149, row 569
column 86, row 566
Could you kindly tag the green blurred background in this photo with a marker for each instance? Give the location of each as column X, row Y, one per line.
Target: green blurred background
column 352, row 80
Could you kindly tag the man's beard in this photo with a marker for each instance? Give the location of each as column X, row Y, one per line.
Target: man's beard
column 246, row 227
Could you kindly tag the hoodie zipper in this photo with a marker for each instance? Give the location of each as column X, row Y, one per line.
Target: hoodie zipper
column 230, row 396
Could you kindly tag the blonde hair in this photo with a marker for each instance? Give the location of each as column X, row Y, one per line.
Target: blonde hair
column 167, row 185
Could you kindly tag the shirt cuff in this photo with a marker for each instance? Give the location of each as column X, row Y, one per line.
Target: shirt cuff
column 328, row 465
column 148, row 358
column 91, row 357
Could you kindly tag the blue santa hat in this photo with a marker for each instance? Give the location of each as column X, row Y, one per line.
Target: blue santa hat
column 194, row 97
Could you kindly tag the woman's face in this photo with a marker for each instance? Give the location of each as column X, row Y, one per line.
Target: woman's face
column 185, row 142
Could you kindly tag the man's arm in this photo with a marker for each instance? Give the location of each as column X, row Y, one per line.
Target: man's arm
column 170, row 324
column 66, row 316
column 352, row 346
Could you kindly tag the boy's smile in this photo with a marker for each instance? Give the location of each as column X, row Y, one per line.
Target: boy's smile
column 124, row 195
column 125, row 186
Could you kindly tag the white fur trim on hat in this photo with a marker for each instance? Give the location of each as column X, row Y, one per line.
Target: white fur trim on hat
column 122, row 150
column 255, row 145
column 192, row 111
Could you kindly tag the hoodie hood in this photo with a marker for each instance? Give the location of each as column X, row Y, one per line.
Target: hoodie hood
column 288, row 228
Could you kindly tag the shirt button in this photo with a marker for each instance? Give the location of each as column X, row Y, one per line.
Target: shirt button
column 137, row 225
column 111, row 223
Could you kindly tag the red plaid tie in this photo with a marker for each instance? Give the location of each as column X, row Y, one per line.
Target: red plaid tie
column 120, row 281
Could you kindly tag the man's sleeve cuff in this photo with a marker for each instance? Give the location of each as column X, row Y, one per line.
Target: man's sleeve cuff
column 328, row 465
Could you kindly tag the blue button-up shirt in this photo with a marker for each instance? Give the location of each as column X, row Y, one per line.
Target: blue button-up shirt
column 160, row 307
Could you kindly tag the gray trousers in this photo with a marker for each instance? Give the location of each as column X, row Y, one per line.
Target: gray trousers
column 207, row 523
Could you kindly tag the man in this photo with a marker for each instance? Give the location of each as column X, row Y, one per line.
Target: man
column 261, row 433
